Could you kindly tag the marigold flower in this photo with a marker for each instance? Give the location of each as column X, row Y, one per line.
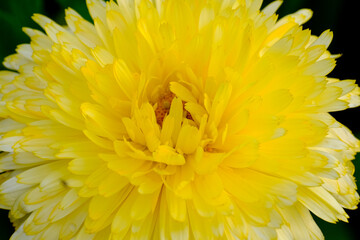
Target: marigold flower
column 175, row 119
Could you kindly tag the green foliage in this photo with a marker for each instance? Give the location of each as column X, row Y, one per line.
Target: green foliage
column 78, row 5
column 13, row 16
column 16, row 14
column 338, row 231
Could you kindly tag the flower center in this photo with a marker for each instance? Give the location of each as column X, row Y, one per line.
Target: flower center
column 163, row 107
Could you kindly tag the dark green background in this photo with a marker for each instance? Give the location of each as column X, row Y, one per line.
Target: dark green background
column 341, row 16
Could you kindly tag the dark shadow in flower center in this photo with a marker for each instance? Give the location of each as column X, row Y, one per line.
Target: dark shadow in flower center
column 163, row 107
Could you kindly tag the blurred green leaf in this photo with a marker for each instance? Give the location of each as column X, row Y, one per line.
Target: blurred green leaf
column 16, row 13
column 13, row 16
column 77, row 5
column 338, row 231
column 289, row 6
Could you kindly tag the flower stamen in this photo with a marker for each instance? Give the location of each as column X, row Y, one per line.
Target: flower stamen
column 163, row 107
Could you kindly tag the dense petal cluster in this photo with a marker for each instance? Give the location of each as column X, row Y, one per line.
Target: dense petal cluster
column 175, row 119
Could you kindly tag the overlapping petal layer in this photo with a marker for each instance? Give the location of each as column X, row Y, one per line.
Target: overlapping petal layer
column 175, row 120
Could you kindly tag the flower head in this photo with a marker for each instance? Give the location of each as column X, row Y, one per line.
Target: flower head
column 173, row 119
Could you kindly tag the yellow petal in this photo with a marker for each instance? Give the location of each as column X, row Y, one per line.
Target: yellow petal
column 166, row 154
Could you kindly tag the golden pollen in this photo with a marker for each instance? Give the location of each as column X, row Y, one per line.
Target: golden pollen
column 163, row 107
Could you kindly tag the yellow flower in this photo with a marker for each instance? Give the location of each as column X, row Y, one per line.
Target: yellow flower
column 175, row 119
